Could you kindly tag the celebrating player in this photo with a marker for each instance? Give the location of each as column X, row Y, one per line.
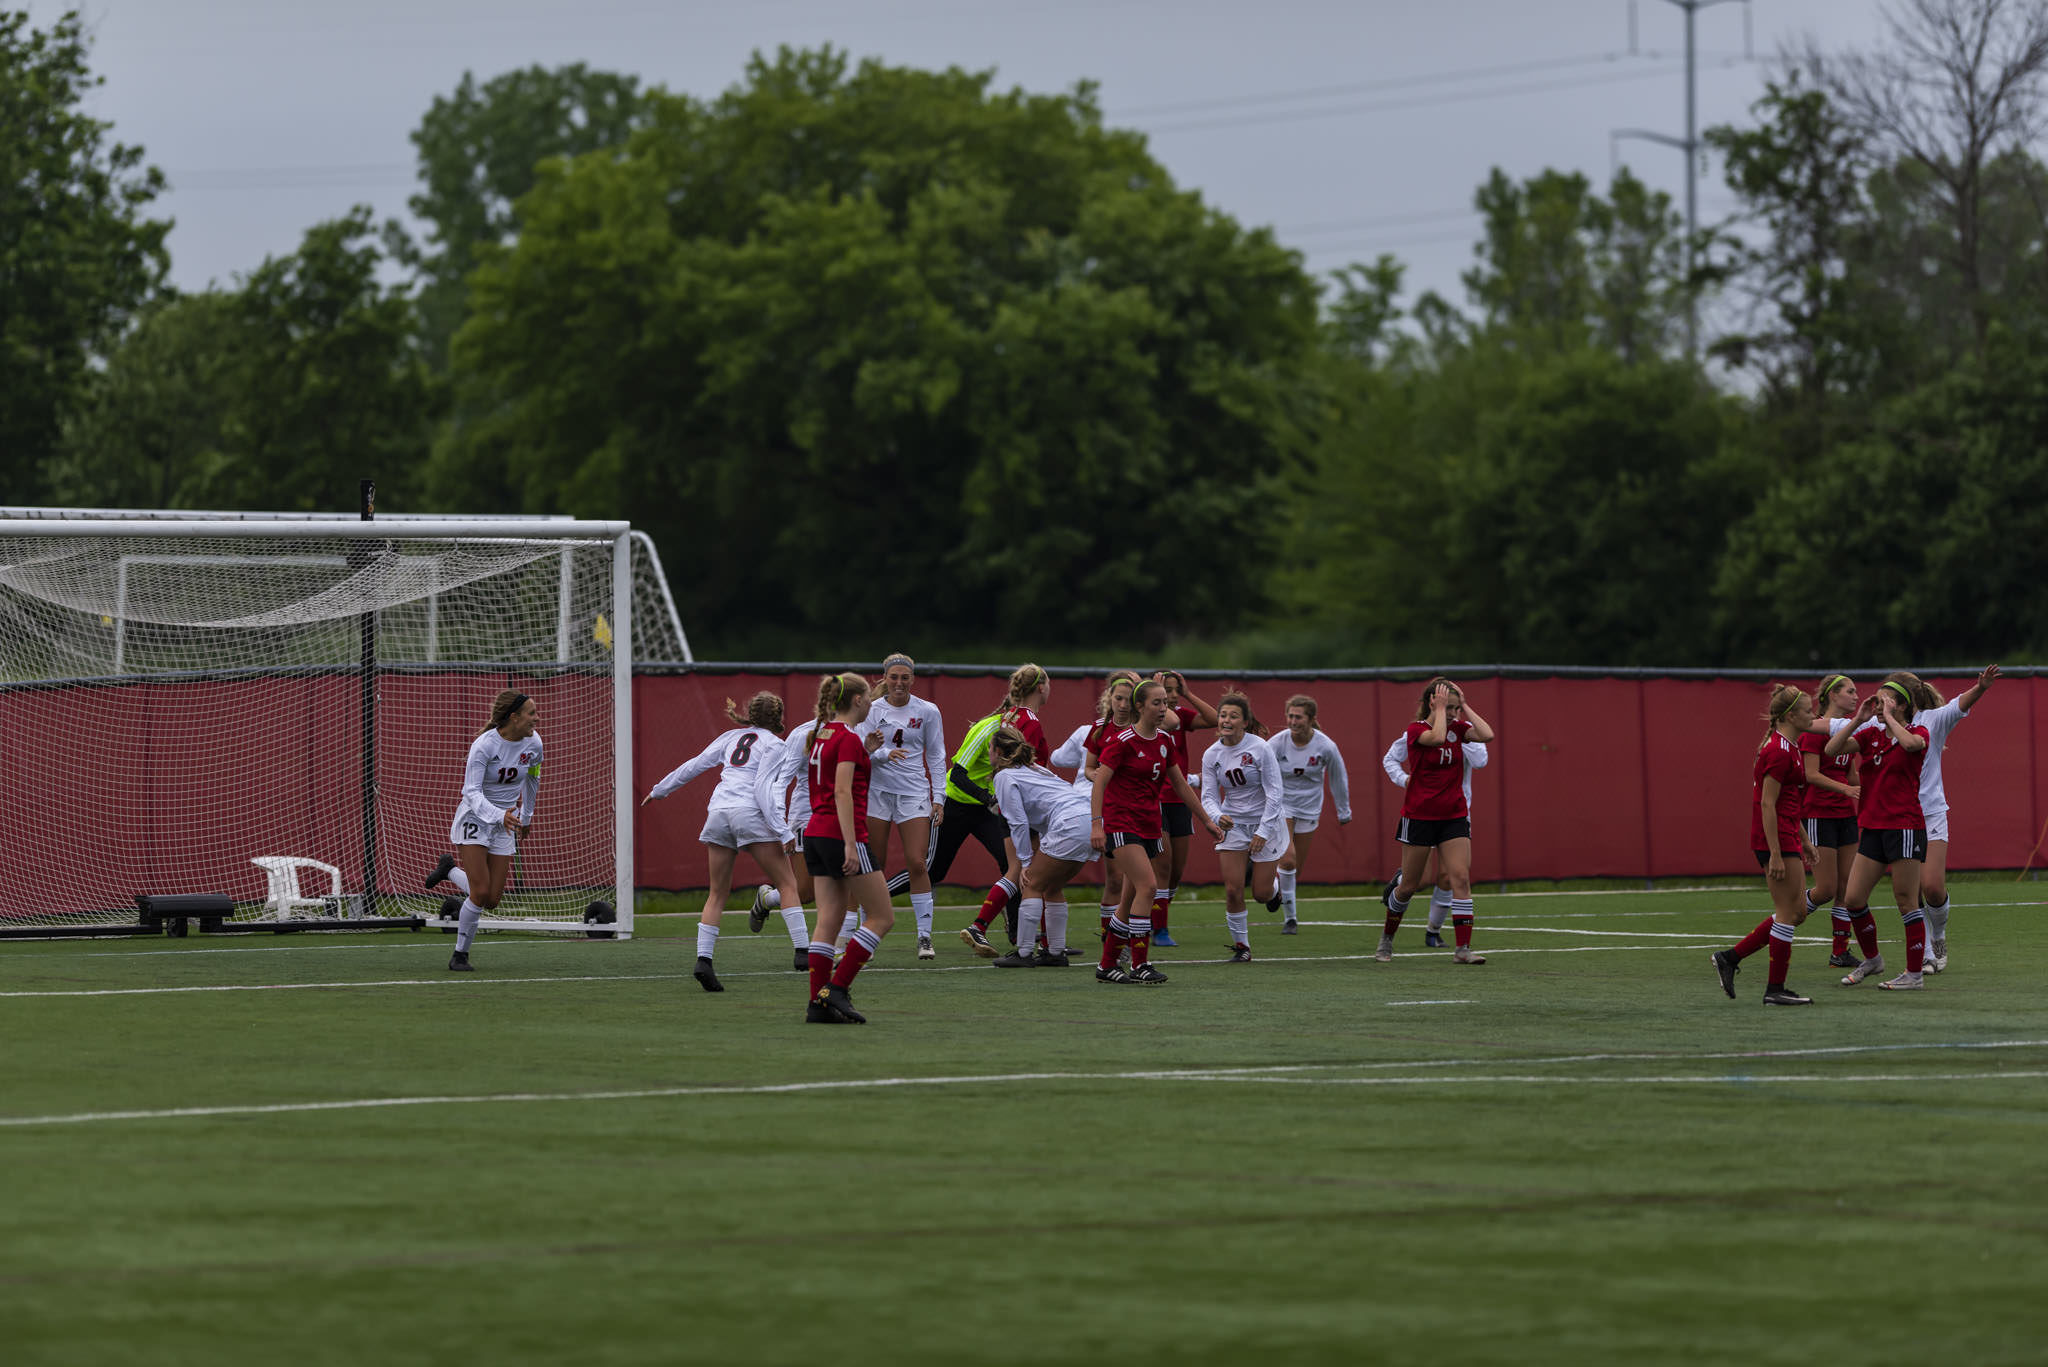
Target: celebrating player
column 1113, row 713
column 1893, row 829
column 745, row 813
column 1939, row 718
column 836, row 848
column 908, row 794
column 1396, row 763
column 1306, row 756
column 1434, row 813
column 500, row 780
column 791, row 777
column 1829, row 808
column 1775, row 803
column 1033, row 799
column 1190, row 714
column 1241, row 793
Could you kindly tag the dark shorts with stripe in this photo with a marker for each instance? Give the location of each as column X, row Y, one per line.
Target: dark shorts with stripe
column 1831, row 832
column 1415, row 831
column 1892, row 847
column 825, row 856
column 1175, row 819
column 1116, row 840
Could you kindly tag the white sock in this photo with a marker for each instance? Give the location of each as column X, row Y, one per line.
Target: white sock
column 1937, row 920
column 459, row 878
column 465, row 926
column 1030, row 916
column 772, row 899
column 846, row 929
column 1240, row 927
column 707, row 941
column 921, row 908
column 1286, row 877
column 1055, row 927
column 1439, row 907
column 799, row 933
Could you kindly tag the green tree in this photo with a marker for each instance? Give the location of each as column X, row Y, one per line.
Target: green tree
column 843, row 319
column 77, row 257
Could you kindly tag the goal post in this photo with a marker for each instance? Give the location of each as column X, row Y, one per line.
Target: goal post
column 184, row 704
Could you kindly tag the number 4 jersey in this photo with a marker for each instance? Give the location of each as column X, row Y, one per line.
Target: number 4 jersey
column 500, row 773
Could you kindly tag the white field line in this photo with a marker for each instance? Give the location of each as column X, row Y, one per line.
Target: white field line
column 1269, row 1076
column 1441, row 1001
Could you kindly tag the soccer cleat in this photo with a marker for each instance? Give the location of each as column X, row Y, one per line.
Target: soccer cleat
column 1273, row 903
column 975, row 940
column 757, row 916
column 1780, row 995
column 924, row 948
column 1937, row 955
column 1115, row 974
column 1726, row 968
column 1016, row 958
column 1147, row 974
column 1432, row 940
column 817, row 1013
column 707, row 977
column 838, row 999
column 1864, row 969
column 1045, row 958
column 458, row 962
column 1385, row 953
column 1239, row 954
column 1387, row 892
column 1905, row 982
column 1464, row 955
column 441, row 871
column 1010, row 918
column 1843, row 960
column 802, row 962
column 1290, row 926
column 1161, row 938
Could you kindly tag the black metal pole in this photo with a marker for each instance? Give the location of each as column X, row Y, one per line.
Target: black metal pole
column 365, row 553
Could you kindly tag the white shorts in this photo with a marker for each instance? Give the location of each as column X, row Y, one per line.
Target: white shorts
column 736, row 830
column 1069, row 842
column 894, row 807
column 1304, row 822
column 465, row 829
column 1937, row 826
column 1240, row 838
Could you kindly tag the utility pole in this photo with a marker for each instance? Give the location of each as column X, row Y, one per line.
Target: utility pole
column 1689, row 144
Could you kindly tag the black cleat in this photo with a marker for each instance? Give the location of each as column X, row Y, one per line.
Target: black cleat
column 1010, row 919
column 975, row 939
column 1727, row 968
column 1781, row 995
column 1239, row 954
column 1290, row 926
column 458, row 962
column 817, row 1013
column 1016, row 958
column 1387, row 892
column 802, row 963
column 836, row 999
column 1273, row 903
column 1114, row 974
column 757, row 915
column 441, row 871
column 1843, row 960
column 1432, row 940
column 1148, row 975
column 1047, row 959
column 707, row 977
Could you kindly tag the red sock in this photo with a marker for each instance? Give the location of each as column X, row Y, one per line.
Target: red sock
column 1113, row 942
column 1841, row 928
column 1916, row 943
column 1781, row 960
column 1461, row 926
column 851, row 962
column 1752, row 942
column 1393, row 924
column 1141, row 940
column 1159, row 906
column 1866, row 931
column 821, row 972
column 993, row 904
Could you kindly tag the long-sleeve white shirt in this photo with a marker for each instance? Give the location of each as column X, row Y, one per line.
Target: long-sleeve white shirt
column 748, row 758
column 1302, row 768
column 499, row 775
column 1034, row 798
column 1072, row 753
column 916, row 729
column 1395, row 762
column 796, row 753
column 1243, row 783
column 1939, row 721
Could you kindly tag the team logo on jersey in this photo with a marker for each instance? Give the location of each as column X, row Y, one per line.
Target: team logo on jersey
column 916, row 723
column 1313, row 761
column 1246, row 760
column 526, row 756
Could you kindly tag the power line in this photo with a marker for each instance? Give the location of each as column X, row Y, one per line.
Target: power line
column 1318, row 92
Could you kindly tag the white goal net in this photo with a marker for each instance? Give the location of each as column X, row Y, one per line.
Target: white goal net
column 279, row 712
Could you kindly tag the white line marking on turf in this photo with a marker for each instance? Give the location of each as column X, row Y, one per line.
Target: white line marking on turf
column 384, row 982
column 1595, row 1079
column 1441, row 1001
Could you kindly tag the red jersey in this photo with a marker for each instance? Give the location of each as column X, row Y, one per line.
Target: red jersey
column 832, row 746
column 1130, row 804
column 1891, row 779
column 1099, row 732
column 1436, row 783
column 1841, row 768
column 1777, row 758
column 1025, row 720
column 1188, row 718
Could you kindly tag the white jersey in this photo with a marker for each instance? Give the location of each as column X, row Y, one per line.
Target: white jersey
column 1242, row 782
column 796, row 754
column 1939, row 722
column 748, row 758
column 915, row 729
column 1395, row 762
column 1302, row 768
column 1031, row 799
column 1073, row 754
column 499, row 775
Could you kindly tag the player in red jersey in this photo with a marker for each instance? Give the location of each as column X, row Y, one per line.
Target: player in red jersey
column 1190, row 714
column 1113, row 713
column 836, row 848
column 1136, row 765
column 1030, row 686
column 1434, row 813
column 1894, row 830
column 1830, row 812
column 1777, row 789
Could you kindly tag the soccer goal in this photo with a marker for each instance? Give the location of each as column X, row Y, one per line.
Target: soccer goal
column 277, row 712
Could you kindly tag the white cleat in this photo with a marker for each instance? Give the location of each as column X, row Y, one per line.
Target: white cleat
column 1868, row 968
column 757, row 915
column 1937, row 955
column 1385, row 953
column 924, row 948
column 1466, row 956
column 1905, row 982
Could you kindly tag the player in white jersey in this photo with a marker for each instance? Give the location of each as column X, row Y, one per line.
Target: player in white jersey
column 767, row 897
column 1050, row 825
column 1307, row 756
column 1939, row 718
column 745, row 813
column 1242, row 793
column 1073, row 754
column 500, row 780
column 1395, row 763
column 907, row 786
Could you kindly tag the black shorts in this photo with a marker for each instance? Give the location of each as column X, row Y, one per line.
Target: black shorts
column 1830, row 832
column 1892, row 847
column 1415, row 831
column 1175, row 819
column 825, row 856
column 1116, row 840
column 1763, row 857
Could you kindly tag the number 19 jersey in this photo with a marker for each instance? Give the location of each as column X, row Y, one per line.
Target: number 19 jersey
column 1436, row 788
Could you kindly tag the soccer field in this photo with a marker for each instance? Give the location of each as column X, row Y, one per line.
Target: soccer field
column 329, row 1150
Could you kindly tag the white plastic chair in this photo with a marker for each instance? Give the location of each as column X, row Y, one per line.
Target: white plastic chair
column 285, row 895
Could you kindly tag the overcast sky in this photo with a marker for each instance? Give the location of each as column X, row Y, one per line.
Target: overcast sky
column 1352, row 128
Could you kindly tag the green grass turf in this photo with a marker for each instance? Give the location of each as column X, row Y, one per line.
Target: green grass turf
column 1454, row 1182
